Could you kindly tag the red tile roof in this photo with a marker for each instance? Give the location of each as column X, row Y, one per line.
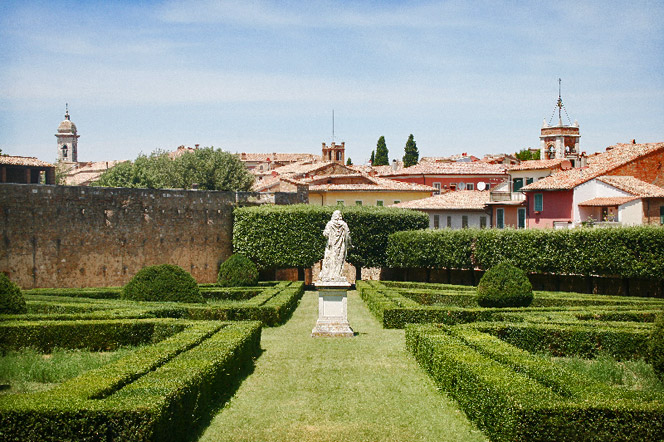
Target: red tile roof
column 457, row 200
column 598, row 165
column 11, row 160
column 609, row 201
column 542, row 164
column 633, row 185
column 457, row 168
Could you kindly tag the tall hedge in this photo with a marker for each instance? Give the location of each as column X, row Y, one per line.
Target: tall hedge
column 629, row 252
column 292, row 236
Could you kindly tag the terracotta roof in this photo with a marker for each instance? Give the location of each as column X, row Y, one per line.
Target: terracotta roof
column 542, row 164
column 610, row 201
column 11, row 160
column 458, row 200
column 82, row 174
column 633, row 185
column 598, row 165
column 366, row 183
column 276, row 156
column 457, row 168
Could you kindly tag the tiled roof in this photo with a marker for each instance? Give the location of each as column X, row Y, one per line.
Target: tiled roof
column 11, row 160
column 541, row 164
column 365, row 183
column 458, row 168
column 633, row 185
column 598, row 165
column 276, row 156
column 610, row 201
column 458, row 200
column 82, row 174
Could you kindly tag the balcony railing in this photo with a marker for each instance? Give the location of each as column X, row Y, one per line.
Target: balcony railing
column 507, row 196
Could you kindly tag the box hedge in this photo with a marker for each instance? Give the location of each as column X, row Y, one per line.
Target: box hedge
column 514, row 395
column 292, row 236
column 159, row 392
column 628, row 252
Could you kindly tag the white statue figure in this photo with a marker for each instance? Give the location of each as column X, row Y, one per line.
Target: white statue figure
column 338, row 242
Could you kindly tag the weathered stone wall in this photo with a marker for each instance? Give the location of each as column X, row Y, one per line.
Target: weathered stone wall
column 60, row 236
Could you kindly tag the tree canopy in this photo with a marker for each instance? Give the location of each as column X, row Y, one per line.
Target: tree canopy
column 411, row 154
column 527, row 154
column 382, row 156
column 209, row 168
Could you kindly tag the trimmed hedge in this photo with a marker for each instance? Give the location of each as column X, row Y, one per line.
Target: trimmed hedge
column 628, row 252
column 504, row 285
column 163, row 282
column 159, row 392
column 237, row 271
column 514, row 395
column 396, row 307
column 292, row 236
column 11, row 298
column 272, row 304
column 656, row 347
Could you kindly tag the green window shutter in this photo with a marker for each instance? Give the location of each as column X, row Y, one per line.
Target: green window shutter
column 517, row 184
column 661, row 215
column 529, row 181
column 539, row 202
column 521, row 214
column 500, row 218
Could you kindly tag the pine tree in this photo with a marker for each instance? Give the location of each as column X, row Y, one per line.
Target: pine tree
column 411, row 155
column 349, row 162
column 382, row 155
column 373, row 157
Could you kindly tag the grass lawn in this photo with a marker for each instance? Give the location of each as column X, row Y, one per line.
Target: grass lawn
column 366, row 388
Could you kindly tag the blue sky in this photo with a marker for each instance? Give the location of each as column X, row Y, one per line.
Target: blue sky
column 263, row 76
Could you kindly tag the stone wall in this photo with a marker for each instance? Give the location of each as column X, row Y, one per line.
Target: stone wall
column 61, row 236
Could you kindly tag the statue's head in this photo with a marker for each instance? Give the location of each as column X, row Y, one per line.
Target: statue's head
column 336, row 215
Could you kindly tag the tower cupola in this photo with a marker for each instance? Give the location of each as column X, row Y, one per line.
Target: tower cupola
column 67, row 137
column 559, row 140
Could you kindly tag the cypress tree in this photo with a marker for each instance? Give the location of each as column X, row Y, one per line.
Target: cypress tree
column 382, row 157
column 373, row 157
column 411, row 155
column 349, row 162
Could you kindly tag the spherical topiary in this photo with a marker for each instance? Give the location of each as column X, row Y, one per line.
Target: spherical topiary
column 11, row 297
column 237, row 271
column 504, row 286
column 162, row 283
column 656, row 347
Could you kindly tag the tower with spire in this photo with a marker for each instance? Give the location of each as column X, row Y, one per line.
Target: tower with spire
column 67, row 140
column 560, row 141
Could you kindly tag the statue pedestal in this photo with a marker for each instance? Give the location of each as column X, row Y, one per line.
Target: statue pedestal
column 332, row 310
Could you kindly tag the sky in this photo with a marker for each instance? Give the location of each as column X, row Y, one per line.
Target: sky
column 266, row 76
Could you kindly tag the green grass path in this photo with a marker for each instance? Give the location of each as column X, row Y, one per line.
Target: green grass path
column 366, row 388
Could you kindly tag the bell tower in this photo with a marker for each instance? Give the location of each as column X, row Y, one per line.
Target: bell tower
column 67, row 140
column 560, row 141
column 335, row 152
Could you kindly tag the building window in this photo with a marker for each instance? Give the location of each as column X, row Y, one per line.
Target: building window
column 500, row 218
column 464, row 221
column 437, row 187
column 358, row 203
column 521, row 218
column 488, row 186
column 482, row 222
column 470, row 186
column 396, row 201
column 453, row 186
column 340, row 202
column 517, row 184
column 529, row 181
column 539, row 202
column 379, row 203
column 449, row 222
column 436, row 221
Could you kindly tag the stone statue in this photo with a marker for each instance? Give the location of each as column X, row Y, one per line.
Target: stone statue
column 338, row 241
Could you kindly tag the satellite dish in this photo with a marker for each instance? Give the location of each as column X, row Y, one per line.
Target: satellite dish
column 481, row 185
column 461, row 186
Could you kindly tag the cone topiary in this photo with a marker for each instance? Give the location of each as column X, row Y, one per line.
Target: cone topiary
column 237, row 271
column 656, row 347
column 504, row 285
column 11, row 297
column 164, row 282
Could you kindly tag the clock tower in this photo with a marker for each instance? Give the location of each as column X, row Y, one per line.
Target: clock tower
column 67, row 140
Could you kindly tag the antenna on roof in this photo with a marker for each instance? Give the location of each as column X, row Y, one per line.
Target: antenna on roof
column 560, row 106
column 333, row 125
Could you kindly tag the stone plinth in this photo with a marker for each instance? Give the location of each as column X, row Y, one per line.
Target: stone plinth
column 332, row 310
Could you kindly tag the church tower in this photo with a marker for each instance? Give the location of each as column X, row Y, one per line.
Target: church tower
column 67, row 140
column 335, row 152
column 560, row 141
